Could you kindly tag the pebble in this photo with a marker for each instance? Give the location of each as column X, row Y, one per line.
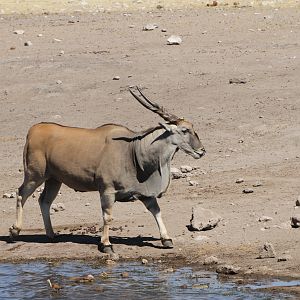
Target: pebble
column 257, row 184
column 28, row 43
column 116, row 78
column 164, row 30
column 265, row 219
column 40, row 35
column 203, row 219
column 174, row 40
column 150, row 27
column 284, row 258
column 239, row 180
column 186, row 169
column 88, row 204
column 237, row 81
column 144, row 261
column 59, row 82
column 267, row 251
column 58, row 207
column 19, row 31
column 9, row 195
column 177, row 174
column 248, row 191
column 125, row 275
column 193, row 183
column 211, row 260
column 228, row 270
column 295, row 221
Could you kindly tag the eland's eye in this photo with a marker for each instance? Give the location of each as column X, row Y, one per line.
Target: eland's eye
column 185, row 130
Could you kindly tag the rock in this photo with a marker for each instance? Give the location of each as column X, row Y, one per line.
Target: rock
column 214, row 3
column 267, row 251
column 116, row 78
column 239, row 180
column 125, row 275
column 203, row 219
column 28, row 43
column 193, row 183
column 248, row 191
column 83, row 279
column 298, row 201
column 237, row 81
column 211, row 260
column 285, row 257
column 144, row 261
column 164, row 30
column 265, row 219
column 150, row 27
column 19, row 31
column 59, row 82
column 88, row 204
column 257, row 184
column 40, row 35
column 61, row 52
column 57, row 40
column 295, row 221
column 174, row 40
column 58, row 207
column 9, row 195
column 228, row 270
column 186, row 169
column 176, row 173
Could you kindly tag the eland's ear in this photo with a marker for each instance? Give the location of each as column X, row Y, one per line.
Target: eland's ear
column 168, row 127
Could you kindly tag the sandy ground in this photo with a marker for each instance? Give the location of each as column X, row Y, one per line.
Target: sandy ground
column 250, row 131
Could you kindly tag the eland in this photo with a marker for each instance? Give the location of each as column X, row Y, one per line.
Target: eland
column 122, row 165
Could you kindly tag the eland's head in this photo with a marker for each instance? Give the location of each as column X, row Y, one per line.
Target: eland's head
column 182, row 133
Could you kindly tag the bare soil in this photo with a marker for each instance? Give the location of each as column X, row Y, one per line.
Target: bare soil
column 250, row 130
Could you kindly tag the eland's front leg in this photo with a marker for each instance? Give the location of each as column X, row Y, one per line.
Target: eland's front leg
column 152, row 205
column 107, row 201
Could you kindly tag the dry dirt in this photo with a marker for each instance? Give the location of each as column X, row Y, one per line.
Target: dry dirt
column 249, row 130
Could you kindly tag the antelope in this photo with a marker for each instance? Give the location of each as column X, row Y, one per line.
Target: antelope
column 122, row 165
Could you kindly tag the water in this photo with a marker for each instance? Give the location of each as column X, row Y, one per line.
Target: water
column 29, row 281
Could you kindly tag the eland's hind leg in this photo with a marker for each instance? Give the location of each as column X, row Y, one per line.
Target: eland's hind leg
column 24, row 191
column 48, row 195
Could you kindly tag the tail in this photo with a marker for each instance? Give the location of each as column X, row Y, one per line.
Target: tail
column 25, row 155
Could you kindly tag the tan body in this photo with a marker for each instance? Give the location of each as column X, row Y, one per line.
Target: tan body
column 120, row 164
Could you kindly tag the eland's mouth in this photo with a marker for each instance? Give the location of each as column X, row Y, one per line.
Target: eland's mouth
column 199, row 153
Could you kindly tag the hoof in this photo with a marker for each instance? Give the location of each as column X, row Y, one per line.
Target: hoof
column 167, row 243
column 13, row 232
column 108, row 249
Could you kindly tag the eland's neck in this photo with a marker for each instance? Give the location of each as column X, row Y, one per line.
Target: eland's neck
column 154, row 149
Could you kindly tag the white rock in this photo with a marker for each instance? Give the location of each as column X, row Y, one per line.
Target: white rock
column 88, row 204
column 265, row 219
column 144, row 261
column 267, row 251
column 57, row 40
column 239, row 180
column 203, row 219
column 9, row 195
column 186, row 169
column 193, row 183
column 174, row 40
column 28, row 43
column 150, row 27
column 116, row 78
column 19, row 31
column 295, row 221
column 40, row 35
column 176, row 173
column 59, row 82
column 58, row 207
